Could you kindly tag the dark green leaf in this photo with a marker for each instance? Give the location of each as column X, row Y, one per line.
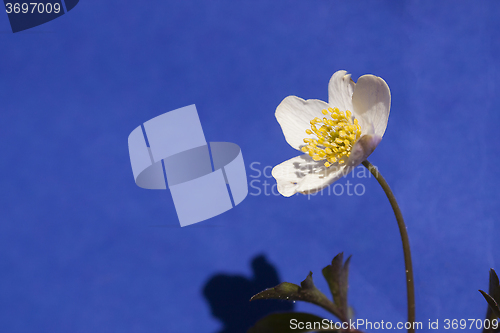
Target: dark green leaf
column 307, row 292
column 337, row 276
column 493, row 304
column 289, row 322
column 494, row 289
column 285, row 290
column 494, row 278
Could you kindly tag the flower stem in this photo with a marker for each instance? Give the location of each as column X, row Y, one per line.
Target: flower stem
column 410, row 288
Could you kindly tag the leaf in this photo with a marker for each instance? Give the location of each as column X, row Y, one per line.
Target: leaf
column 289, row 322
column 493, row 304
column 337, row 276
column 285, row 290
column 307, row 292
column 493, row 298
column 494, row 288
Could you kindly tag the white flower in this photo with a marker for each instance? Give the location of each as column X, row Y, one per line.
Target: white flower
column 335, row 136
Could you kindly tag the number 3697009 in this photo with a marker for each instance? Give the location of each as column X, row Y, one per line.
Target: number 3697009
column 32, row 7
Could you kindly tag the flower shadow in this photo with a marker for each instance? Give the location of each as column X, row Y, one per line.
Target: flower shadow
column 307, row 166
column 229, row 297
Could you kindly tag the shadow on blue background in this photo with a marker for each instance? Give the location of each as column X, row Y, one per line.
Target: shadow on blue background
column 229, row 297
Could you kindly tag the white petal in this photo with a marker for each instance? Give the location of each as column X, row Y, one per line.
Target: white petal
column 340, row 90
column 362, row 149
column 304, row 175
column 372, row 102
column 294, row 115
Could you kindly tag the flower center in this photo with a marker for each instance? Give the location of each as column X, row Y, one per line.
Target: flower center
column 335, row 137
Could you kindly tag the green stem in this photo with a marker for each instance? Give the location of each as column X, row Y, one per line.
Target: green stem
column 410, row 288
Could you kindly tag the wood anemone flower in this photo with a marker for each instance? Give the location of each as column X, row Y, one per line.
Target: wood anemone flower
column 333, row 137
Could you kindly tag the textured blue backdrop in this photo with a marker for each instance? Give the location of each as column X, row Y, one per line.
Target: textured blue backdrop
column 83, row 249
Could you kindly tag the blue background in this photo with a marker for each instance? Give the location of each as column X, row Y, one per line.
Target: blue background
column 84, row 249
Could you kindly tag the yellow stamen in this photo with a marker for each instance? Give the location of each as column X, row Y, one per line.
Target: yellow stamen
column 336, row 137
